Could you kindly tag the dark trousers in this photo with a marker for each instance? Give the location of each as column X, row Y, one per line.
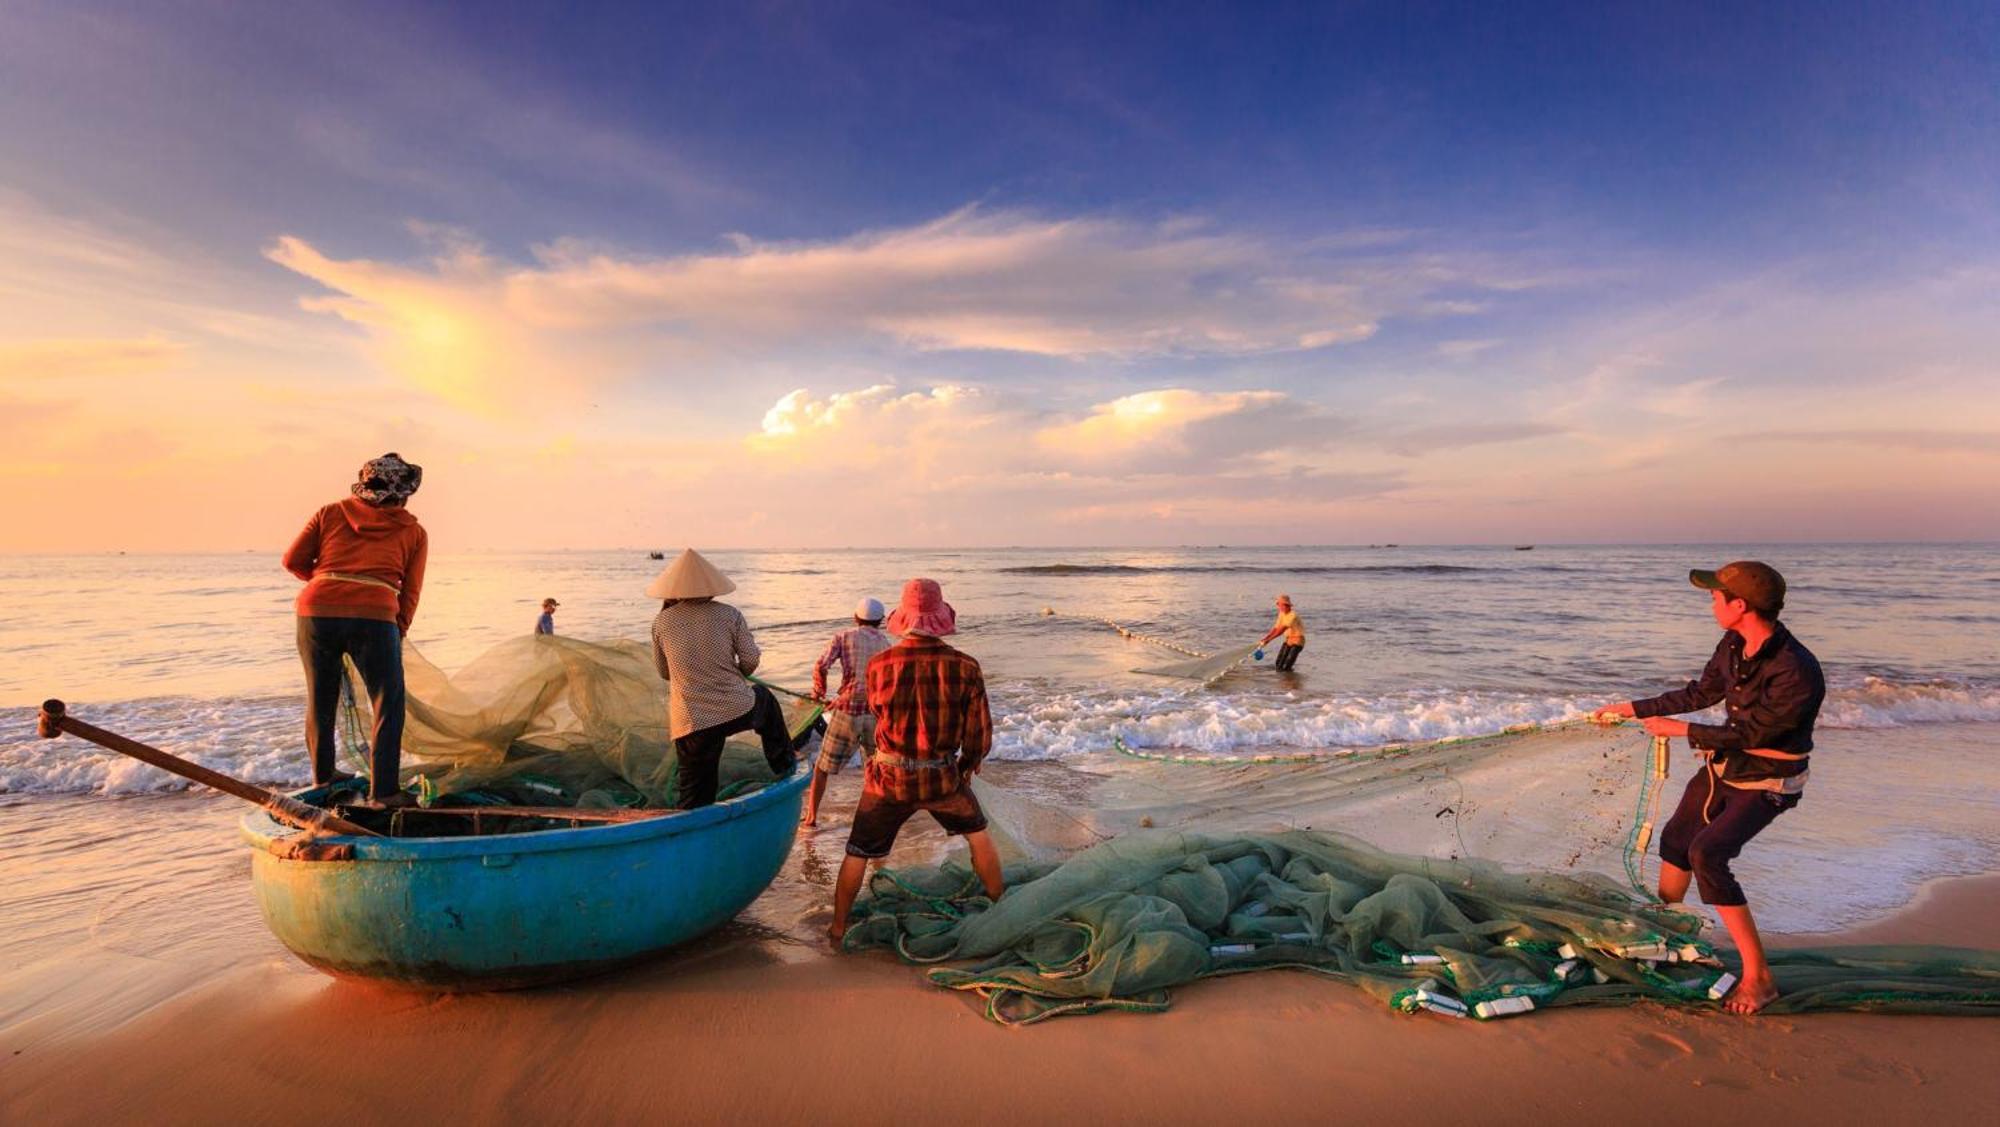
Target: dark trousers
column 377, row 650
column 1709, row 829
column 700, row 751
column 1288, row 656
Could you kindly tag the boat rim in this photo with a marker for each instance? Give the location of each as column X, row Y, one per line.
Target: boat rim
column 260, row 829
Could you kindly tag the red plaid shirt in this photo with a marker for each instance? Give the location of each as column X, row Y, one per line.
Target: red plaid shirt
column 932, row 726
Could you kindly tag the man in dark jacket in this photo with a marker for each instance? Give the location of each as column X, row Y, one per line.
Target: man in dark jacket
column 1772, row 688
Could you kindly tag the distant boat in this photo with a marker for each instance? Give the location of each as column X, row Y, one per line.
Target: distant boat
column 656, row 555
column 1524, row 547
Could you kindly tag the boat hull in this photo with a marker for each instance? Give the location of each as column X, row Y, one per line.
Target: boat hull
column 515, row 910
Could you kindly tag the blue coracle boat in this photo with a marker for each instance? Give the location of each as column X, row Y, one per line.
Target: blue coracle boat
column 518, row 909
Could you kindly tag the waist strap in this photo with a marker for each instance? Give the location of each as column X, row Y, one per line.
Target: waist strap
column 891, row 759
column 369, row 580
column 1787, row 756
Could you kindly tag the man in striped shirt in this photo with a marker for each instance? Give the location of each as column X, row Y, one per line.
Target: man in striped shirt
column 932, row 732
column 849, row 724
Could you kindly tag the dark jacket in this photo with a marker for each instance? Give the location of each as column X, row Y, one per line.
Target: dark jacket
column 1771, row 699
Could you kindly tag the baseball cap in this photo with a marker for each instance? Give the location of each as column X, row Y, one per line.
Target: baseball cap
column 1758, row 584
column 550, row 603
column 869, row 610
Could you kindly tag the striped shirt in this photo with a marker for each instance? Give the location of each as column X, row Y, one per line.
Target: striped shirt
column 932, row 726
column 704, row 650
column 852, row 648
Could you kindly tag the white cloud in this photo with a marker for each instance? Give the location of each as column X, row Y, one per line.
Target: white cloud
column 972, row 280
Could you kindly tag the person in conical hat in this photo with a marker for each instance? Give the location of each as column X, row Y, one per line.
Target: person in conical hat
column 690, row 576
column 849, row 724
column 932, row 732
column 363, row 560
column 704, row 651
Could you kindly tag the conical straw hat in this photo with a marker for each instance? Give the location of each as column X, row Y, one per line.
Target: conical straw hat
column 689, row 577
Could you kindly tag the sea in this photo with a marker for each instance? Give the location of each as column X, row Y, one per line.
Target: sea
column 196, row 654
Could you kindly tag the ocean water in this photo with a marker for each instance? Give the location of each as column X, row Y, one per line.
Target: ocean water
column 197, row 651
column 196, row 654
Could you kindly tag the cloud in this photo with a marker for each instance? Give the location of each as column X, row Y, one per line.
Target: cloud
column 1464, row 349
column 1153, row 456
column 1917, row 440
column 1431, row 440
column 1074, row 288
column 1181, row 429
column 66, row 359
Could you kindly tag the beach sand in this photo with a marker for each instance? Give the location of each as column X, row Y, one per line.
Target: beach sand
column 153, row 993
column 745, row 1035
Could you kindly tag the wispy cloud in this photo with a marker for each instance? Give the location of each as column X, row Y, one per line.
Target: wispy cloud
column 51, row 360
column 1075, row 288
column 1920, row 441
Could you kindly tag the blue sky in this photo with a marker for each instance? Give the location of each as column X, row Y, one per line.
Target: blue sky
column 1452, row 240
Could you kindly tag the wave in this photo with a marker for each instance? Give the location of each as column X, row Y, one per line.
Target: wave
column 1058, row 725
column 1266, row 569
column 260, row 739
column 1879, row 702
column 1070, row 725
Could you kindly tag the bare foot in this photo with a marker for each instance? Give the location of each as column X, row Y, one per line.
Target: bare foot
column 836, row 935
column 809, row 819
column 1749, row 997
column 401, row 800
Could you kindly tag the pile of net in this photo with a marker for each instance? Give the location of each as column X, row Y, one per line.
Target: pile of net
column 1115, row 926
column 545, row 720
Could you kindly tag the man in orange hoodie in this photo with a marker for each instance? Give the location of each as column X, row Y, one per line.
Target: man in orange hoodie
column 362, row 558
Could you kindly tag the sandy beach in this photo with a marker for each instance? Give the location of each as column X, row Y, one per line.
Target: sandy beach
column 164, row 992
column 746, row 1034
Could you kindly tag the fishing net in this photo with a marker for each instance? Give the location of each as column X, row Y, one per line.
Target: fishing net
column 1205, row 668
column 1116, row 925
column 546, row 720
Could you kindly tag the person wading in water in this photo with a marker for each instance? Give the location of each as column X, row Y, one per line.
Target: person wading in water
column 1294, row 631
column 1772, row 688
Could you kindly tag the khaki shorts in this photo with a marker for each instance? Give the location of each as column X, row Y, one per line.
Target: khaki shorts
column 845, row 732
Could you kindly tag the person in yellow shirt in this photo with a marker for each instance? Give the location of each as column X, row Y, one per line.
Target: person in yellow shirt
column 1294, row 631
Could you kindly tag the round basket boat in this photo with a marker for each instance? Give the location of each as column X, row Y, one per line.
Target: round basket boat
column 510, row 910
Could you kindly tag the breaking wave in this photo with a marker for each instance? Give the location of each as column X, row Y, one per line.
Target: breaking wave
column 1267, row 569
column 260, row 739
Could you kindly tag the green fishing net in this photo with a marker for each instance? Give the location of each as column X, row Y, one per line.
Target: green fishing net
column 1116, row 925
column 546, row 720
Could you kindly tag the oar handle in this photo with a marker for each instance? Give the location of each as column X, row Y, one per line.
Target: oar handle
column 55, row 720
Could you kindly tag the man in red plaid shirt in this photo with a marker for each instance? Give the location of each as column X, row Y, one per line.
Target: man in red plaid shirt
column 932, row 731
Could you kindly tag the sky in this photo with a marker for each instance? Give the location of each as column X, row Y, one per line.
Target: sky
column 822, row 274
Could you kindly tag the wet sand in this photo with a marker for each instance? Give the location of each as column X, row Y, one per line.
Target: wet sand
column 136, row 983
column 746, row 1033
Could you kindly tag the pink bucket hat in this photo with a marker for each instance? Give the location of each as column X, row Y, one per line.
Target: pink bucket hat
column 923, row 610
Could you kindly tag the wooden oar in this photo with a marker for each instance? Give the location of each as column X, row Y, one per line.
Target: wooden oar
column 55, row 720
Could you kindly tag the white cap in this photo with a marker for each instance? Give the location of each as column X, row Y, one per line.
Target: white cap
column 869, row 610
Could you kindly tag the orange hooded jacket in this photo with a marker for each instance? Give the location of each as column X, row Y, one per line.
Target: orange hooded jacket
column 360, row 561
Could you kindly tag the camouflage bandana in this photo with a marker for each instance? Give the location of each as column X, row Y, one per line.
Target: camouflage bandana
column 387, row 480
